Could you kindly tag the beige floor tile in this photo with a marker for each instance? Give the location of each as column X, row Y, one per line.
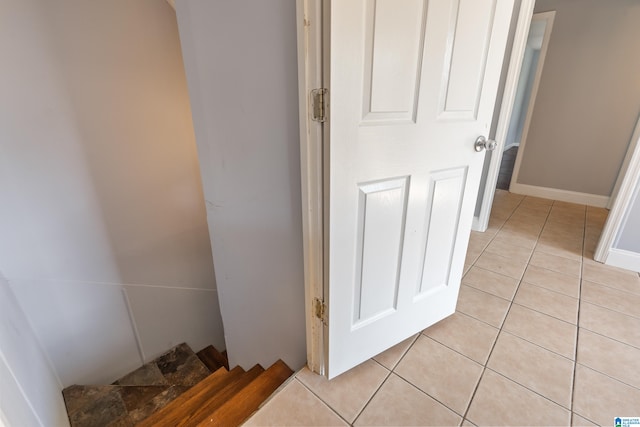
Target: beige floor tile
column 548, row 302
column 612, row 358
column 399, row 403
column 502, row 265
column 578, row 421
column 614, row 277
column 534, row 367
column 570, row 251
column 555, row 263
column 466, row 335
column 440, row 372
column 501, row 402
column 575, row 230
column 536, row 201
column 490, row 282
column 483, row 306
column 523, row 228
column 390, row 358
column 510, row 251
column 600, row 398
column 536, row 213
column 514, row 239
column 611, row 298
column 474, row 250
column 552, row 280
column 501, row 212
column 294, row 405
column 348, row 393
column 530, row 215
column 467, row 423
column 611, row 324
column 560, row 242
column 541, row 329
column 480, row 238
column 563, row 232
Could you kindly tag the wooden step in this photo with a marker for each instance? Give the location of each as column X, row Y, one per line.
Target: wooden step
column 244, row 403
column 192, row 399
column 212, row 358
column 223, row 396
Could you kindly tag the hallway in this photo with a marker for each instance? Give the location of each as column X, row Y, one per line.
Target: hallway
column 543, row 335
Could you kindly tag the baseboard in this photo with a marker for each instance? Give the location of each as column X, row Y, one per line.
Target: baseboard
column 624, row 259
column 561, row 195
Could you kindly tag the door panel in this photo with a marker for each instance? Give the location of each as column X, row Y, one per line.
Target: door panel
column 381, row 220
column 469, row 30
column 443, row 216
column 394, row 40
column 412, row 84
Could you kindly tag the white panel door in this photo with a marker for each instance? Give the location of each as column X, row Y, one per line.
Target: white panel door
column 412, row 85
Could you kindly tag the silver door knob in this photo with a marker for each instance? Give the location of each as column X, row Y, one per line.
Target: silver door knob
column 483, row 143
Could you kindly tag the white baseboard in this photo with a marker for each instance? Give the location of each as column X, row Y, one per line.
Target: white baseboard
column 561, row 195
column 623, row 259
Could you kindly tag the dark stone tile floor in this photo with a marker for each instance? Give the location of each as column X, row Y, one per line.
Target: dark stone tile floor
column 138, row 394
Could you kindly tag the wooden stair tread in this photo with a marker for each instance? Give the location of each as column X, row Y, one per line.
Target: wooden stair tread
column 212, row 358
column 191, row 412
column 244, row 403
column 193, row 398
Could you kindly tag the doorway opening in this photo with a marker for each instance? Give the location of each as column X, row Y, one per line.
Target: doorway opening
column 528, row 82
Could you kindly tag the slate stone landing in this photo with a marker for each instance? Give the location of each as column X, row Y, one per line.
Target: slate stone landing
column 179, row 388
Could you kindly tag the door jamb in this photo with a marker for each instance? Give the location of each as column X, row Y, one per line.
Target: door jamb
column 481, row 223
column 628, row 185
column 309, row 14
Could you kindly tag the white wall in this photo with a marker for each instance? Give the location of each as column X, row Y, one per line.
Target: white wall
column 588, row 98
column 30, row 392
column 104, row 236
column 240, row 57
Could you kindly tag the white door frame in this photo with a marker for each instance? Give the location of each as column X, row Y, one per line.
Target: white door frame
column 481, row 222
column 549, row 18
column 628, row 181
column 309, row 19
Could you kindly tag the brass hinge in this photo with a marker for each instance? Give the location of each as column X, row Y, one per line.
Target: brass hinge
column 320, row 310
column 319, row 105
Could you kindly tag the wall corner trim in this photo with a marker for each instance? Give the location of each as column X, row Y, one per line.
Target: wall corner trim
column 561, row 195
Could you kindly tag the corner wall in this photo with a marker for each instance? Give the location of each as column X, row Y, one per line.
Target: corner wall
column 240, row 58
column 104, row 236
column 30, row 392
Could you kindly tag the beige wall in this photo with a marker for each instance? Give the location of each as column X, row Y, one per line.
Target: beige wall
column 103, row 224
column 589, row 96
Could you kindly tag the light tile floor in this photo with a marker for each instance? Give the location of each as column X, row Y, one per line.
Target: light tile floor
column 543, row 335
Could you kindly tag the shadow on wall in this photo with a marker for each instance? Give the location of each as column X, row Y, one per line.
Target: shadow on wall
column 107, row 247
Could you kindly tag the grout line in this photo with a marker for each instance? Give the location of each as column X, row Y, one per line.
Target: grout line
column 484, row 367
column 322, row 400
column 575, row 354
column 391, row 371
column 611, row 338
